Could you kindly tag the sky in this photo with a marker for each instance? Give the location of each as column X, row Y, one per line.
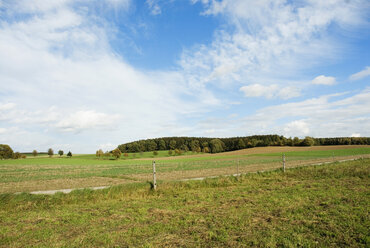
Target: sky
column 84, row 75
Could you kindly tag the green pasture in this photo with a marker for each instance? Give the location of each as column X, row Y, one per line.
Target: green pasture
column 87, row 165
column 313, row 206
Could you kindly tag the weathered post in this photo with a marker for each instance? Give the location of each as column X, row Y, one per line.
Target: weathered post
column 154, row 177
column 284, row 162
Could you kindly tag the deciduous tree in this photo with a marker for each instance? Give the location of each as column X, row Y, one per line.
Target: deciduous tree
column 116, row 153
column 50, row 152
column 6, row 152
column 60, row 152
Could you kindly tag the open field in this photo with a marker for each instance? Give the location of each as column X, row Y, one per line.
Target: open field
column 34, row 174
column 325, row 205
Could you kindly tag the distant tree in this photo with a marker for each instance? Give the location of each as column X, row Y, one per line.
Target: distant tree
column 204, row 144
column 216, row 145
column 116, row 153
column 125, row 155
column 184, row 147
column 178, row 152
column 198, row 150
column 152, row 145
column 17, row 155
column 296, row 141
column 69, row 154
column 206, row 149
column 60, row 152
column 308, row 141
column 50, row 152
column 34, row 153
column 107, row 154
column 99, row 153
column 172, row 144
column 241, row 144
column 23, row 156
column 162, row 145
column 5, row 151
column 194, row 145
column 155, row 153
column 170, row 152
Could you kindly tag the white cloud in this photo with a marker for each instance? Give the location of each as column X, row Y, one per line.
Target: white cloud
column 107, row 146
column 60, row 56
column 356, row 135
column 334, row 115
column 83, row 120
column 270, row 91
column 3, row 130
column 7, row 106
column 122, row 4
column 154, row 7
column 362, row 74
column 296, row 128
column 324, row 80
column 272, row 39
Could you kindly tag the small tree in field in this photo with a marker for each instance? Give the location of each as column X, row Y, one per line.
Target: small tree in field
column 60, row 152
column 99, row 153
column 50, row 152
column 116, row 153
column 17, row 155
column 34, row 153
column 170, row 152
column 69, row 154
column 125, row 155
column 155, row 153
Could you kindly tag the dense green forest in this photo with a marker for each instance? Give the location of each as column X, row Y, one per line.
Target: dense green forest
column 214, row 145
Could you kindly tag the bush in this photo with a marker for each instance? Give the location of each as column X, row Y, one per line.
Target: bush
column 116, row 153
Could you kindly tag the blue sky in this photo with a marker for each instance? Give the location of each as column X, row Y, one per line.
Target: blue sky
column 83, row 75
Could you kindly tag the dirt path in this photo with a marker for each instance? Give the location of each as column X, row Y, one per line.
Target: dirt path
column 65, row 191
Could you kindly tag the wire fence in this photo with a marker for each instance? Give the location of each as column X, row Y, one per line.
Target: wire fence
column 167, row 170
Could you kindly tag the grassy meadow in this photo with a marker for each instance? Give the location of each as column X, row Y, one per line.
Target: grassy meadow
column 44, row 173
column 312, row 206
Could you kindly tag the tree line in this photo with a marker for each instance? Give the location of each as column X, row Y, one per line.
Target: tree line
column 6, row 152
column 215, row 145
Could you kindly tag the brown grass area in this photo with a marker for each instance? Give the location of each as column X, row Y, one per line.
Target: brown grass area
column 36, row 185
column 260, row 150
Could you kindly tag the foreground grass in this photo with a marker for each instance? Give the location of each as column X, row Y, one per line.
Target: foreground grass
column 325, row 206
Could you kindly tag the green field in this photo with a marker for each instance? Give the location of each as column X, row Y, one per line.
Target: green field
column 323, row 205
column 44, row 173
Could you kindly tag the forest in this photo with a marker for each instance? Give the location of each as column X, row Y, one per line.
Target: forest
column 215, row 145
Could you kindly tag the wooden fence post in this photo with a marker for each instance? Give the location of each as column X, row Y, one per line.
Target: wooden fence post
column 284, row 162
column 154, row 177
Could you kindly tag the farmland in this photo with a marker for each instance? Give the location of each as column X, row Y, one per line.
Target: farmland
column 43, row 173
column 322, row 205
